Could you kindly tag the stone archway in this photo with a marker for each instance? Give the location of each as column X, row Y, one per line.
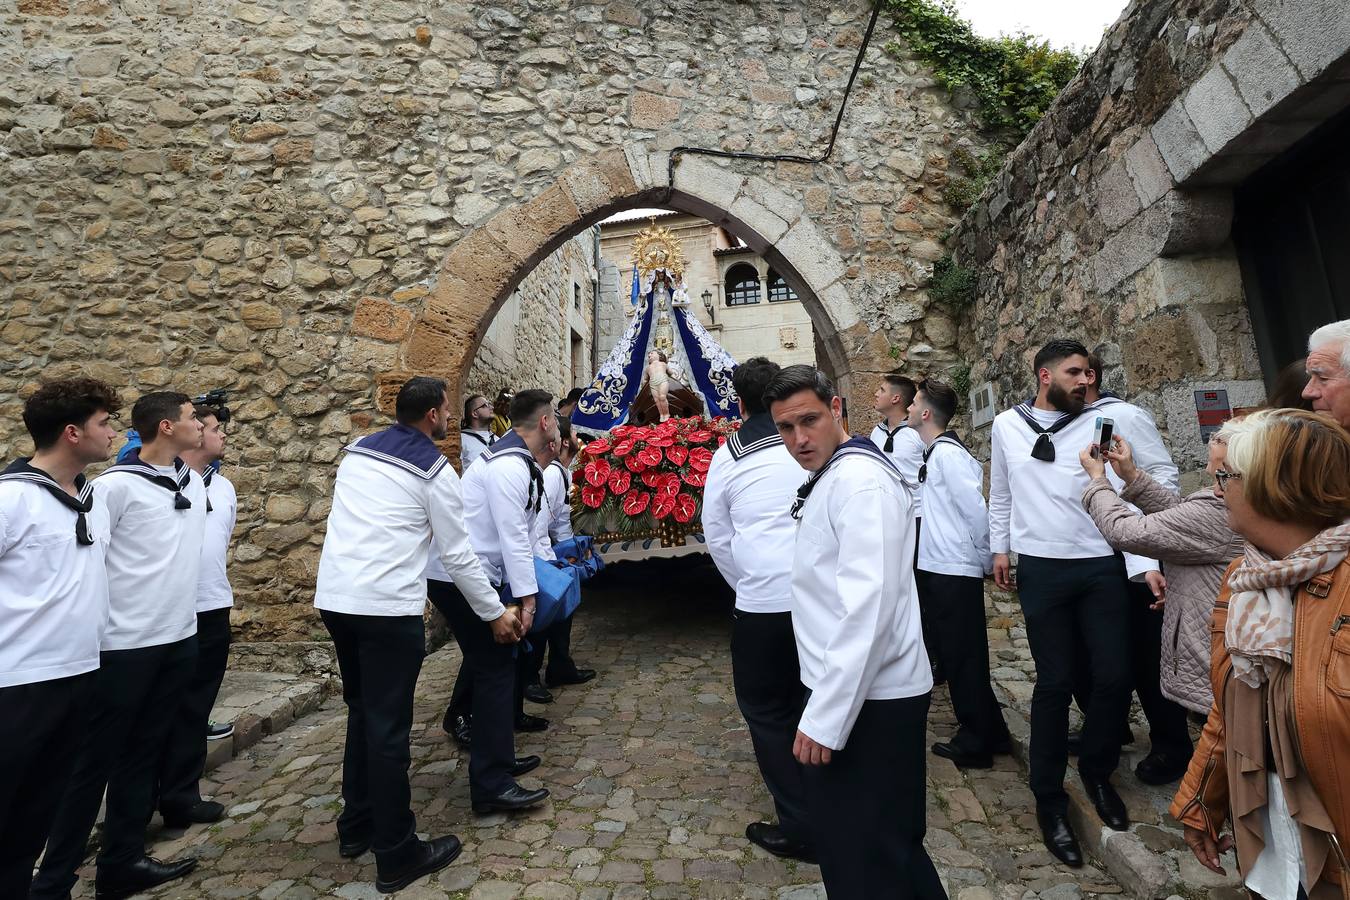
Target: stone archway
column 480, row 271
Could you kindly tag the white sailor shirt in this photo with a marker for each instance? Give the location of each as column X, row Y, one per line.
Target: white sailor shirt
column 1036, row 507
column 558, row 489
column 213, row 584
column 53, row 589
column 954, row 539
column 747, row 518
column 473, row 444
column 154, row 556
column 907, row 454
column 855, row 610
column 499, row 507
column 385, row 522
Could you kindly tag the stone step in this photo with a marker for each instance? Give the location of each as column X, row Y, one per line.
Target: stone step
column 260, row 704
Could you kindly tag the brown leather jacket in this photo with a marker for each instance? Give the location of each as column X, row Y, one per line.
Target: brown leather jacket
column 1321, row 671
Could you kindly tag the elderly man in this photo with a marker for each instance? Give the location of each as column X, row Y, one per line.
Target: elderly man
column 1329, row 371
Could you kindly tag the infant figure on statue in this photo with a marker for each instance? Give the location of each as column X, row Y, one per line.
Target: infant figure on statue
column 658, row 378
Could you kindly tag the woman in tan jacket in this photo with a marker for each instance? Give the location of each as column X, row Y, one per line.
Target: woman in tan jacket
column 1191, row 539
column 1273, row 757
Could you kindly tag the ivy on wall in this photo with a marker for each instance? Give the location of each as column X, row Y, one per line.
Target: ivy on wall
column 952, row 286
column 1014, row 77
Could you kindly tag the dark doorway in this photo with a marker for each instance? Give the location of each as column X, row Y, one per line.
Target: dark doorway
column 1292, row 229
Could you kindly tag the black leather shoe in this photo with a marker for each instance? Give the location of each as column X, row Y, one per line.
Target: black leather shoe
column 537, row 693
column 963, row 758
column 1003, row 746
column 524, row 764
column 508, row 801
column 1107, row 803
column 527, row 722
column 351, row 848
column 1161, row 768
column 200, row 813
column 433, row 856
column 771, row 838
column 578, row 676
column 461, row 729
column 1059, row 838
column 115, row 882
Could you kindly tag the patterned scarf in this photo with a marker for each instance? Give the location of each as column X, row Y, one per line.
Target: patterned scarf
column 1261, row 608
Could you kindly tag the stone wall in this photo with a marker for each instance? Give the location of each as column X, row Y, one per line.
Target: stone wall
column 1111, row 222
column 307, row 202
column 529, row 344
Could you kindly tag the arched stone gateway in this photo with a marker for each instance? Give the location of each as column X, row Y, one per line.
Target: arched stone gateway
column 482, row 270
column 302, row 202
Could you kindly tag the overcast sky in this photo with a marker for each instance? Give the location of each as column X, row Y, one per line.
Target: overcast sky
column 1064, row 23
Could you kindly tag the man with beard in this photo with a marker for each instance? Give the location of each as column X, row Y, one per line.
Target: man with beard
column 1071, row 585
column 396, row 501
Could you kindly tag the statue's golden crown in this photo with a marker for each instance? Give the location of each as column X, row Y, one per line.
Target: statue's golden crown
column 656, row 247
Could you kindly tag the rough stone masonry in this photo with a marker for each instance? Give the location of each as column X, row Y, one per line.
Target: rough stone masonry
column 303, row 202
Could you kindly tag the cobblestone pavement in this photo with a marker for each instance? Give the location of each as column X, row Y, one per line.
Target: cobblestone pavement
column 652, row 776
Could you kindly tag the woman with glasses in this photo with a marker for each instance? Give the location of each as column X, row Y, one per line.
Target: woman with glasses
column 1192, row 540
column 1273, row 754
column 475, row 431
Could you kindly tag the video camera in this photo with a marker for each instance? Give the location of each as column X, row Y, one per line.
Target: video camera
column 217, row 397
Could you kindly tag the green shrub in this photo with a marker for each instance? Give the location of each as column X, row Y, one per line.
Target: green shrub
column 1014, row 77
column 963, row 190
column 953, row 286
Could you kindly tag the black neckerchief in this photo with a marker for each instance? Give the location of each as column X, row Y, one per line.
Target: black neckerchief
column 948, row 437
column 756, row 433
column 1044, row 449
column 485, row 441
column 512, row 444
column 206, row 481
column 134, row 464
column 890, row 435
column 851, row 447
column 20, row 470
column 567, row 476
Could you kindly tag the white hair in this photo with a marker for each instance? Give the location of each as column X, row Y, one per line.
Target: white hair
column 1337, row 333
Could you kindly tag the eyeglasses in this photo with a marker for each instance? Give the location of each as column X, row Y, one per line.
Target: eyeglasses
column 481, row 406
column 1222, row 476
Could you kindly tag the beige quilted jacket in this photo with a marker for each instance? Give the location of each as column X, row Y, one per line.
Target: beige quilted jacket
column 1192, row 539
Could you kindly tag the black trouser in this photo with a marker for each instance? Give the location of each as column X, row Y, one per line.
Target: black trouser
column 40, row 731
column 379, row 658
column 926, row 613
column 962, row 643
column 769, row 692
column 488, row 694
column 130, row 713
column 1075, row 606
column 1168, row 731
column 557, row 639
column 867, row 806
column 185, row 749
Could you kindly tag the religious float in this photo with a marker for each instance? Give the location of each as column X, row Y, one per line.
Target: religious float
column 664, row 398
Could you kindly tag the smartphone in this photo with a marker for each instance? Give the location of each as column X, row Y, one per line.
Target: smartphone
column 1101, row 436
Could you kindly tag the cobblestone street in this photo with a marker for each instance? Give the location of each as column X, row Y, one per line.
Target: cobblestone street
column 652, row 777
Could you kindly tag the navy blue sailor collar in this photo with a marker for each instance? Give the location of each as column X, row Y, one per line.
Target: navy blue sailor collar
column 758, row 432
column 182, row 476
column 22, row 470
column 512, row 444
column 854, row 446
column 405, row 447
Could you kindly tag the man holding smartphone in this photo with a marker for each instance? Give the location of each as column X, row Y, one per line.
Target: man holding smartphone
column 1072, row 587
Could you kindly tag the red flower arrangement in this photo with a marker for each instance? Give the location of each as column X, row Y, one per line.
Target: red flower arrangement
column 647, row 481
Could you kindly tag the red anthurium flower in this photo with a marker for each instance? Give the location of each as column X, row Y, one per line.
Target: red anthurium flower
column 700, row 458
column 694, row 479
column 593, row 496
column 721, row 439
column 662, row 506
column 653, row 478
column 660, row 440
column 597, row 472
column 633, row 463
column 700, row 436
column 670, row 485
column 598, row 447
column 618, row 481
column 635, row 502
column 623, row 447
column 650, row 456
column 685, row 506
column 677, row 454
column 619, row 431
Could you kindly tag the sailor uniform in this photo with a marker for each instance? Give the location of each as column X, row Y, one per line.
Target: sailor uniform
column 856, row 620
column 954, row 557
column 53, row 607
column 156, row 519
column 473, row 444
column 904, row 447
column 553, row 525
column 396, row 500
column 1072, row 587
column 750, row 488
column 503, row 494
column 185, row 754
